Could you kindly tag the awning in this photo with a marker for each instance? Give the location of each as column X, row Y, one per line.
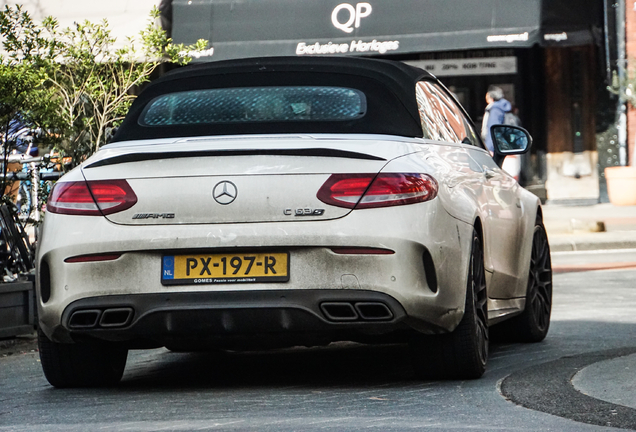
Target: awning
column 253, row 28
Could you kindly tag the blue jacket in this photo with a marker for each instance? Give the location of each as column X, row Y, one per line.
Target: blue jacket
column 496, row 112
column 19, row 135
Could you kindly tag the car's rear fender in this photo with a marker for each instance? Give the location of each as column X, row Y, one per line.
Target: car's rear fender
column 461, row 192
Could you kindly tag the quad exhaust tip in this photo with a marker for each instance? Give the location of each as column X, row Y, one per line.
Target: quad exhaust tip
column 374, row 311
column 85, row 319
column 339, row 311
column 95, row 318
column 119, row 317
column 361, row 311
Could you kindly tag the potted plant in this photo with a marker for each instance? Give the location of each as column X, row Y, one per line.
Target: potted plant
column 621, row 185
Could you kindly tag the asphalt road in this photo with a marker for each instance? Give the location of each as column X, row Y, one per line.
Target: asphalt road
column 347, row 386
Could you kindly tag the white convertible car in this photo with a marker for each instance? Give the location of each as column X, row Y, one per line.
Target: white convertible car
column 277, row 202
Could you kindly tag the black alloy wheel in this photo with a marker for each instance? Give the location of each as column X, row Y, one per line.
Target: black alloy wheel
column 540, row 280
column 480, row 300
column 462, row 354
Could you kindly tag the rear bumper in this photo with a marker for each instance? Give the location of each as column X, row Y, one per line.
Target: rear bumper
column 233, row 319
column 413, row 232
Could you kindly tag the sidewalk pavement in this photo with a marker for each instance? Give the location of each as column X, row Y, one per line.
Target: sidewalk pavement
column 19, row 344
column 600, row 226
column 597, row 227
column 609, row 380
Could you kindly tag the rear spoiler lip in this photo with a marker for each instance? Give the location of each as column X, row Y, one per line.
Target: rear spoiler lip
column 314, row 152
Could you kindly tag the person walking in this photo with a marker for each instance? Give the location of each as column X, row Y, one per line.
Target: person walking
column 495, row 113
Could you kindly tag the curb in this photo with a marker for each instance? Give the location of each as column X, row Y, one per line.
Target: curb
column 28, row 342
column 592, row 241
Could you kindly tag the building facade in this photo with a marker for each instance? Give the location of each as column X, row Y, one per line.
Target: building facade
column 553, row 59
column 630, row 48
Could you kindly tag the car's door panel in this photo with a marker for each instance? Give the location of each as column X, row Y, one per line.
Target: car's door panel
column 502, row 210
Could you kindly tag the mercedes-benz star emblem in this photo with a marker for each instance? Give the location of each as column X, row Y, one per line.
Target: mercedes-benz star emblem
column 225, row 192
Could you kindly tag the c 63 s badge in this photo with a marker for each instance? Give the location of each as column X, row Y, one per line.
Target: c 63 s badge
column 153, row 216
column 304, row 212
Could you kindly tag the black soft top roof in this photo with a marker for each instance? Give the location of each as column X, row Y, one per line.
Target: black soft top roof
column 389, row 88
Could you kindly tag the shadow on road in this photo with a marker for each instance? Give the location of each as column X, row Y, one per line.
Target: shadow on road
column 337, row 365
column 349, row 364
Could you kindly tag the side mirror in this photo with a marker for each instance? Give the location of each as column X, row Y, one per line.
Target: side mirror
column 509, row 140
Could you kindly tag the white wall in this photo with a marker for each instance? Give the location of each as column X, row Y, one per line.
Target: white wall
column 125, row 17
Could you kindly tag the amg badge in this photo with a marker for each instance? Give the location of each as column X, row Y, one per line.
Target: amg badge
column 153, row 216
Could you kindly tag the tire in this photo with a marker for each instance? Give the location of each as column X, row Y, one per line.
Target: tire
column 94, row 364
column 533, row 323
column 462, row 354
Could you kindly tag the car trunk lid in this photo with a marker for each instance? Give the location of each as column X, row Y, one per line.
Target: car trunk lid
column 236, row 180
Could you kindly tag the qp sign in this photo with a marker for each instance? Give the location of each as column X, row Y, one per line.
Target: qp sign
column 352, row 14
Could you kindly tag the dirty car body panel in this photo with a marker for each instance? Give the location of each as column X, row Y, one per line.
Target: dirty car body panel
column 243, row 226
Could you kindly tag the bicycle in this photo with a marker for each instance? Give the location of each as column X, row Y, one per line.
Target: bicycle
column 16, row 252
column 35, row 180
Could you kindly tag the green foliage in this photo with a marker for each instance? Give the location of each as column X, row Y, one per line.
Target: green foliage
column 22, row 93
column 72, row 82
column 626, row 87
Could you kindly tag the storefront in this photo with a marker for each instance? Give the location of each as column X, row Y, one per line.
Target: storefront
column 549, row 57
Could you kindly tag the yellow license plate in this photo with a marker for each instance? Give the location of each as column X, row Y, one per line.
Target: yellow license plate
column 225, row 268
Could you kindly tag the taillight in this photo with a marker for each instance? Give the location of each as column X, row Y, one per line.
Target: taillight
column 344, row 190
column 368, row 190
column 92, row 258
column 92, row 198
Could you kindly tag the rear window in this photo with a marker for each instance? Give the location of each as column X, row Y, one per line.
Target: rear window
column 255, row 104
